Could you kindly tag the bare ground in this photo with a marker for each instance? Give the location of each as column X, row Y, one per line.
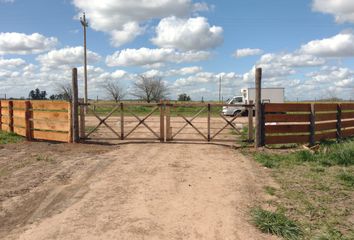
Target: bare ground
column 132, row 191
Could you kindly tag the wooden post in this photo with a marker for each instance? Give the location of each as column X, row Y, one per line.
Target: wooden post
column 0, row 117
column 11, row 116
column 28, row 117
column 250, row 122
column 121, row 121
column 259, row 112
column 75, row 105
column 168, row 122
column 82, row 123
column 339, row 122
column 312, row 125
column 209, row 115
column 162, row 122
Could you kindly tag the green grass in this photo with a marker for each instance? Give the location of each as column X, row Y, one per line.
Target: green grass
column 347, row 179
column 276, row 223
column 316, row 189
column 6, row 138
column 270, row 190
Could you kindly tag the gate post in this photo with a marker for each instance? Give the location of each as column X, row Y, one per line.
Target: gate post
column 28, row 117
column 0, row 116
column 121, row 121
column 209, row 113
column 11, row 116
column 162, row 122
column 75, row 104
column 168, row 122
column 82, row 123
column 259, row 113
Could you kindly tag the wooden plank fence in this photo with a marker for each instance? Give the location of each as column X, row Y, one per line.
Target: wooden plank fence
column 40, row 120
column 306, row 123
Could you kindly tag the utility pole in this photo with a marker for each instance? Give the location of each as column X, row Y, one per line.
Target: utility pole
column 219, row 89
column 84, row 24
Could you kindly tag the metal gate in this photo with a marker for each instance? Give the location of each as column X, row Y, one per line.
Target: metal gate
column 164, row 122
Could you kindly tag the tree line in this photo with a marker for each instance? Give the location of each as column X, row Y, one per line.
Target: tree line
column 148, row 89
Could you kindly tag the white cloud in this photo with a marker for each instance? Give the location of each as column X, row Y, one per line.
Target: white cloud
column 291, row 60
column 66, row 57
column 20, row 43
column 112, row 16
column 153, row 57
column 11, row 63
column 341, row 45
column 339, row 76
column 343, row 10
column 128, row 33
column 187, row 34
column 246, row 52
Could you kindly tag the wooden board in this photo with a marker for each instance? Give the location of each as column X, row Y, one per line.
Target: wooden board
column 50, row 105
column 348, row 132
column 60, row 116
column 287, row 128
column 20, row 131
column 326, row 117
column 347, row 106
column 19, row 113
column 50, row 125
column 4, row 104
column 287, row 118
column 326, row 126
column 19, row 122
column 287, row 139
column 347, row 115
column 324, row 136
column 19, row 105
column 5, row 128
column 325, row 107
column 5, row 120
column 346, row 124
column 51, row 136
column 287, row 107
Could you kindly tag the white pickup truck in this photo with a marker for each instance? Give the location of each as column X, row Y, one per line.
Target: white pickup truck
column 269, row 95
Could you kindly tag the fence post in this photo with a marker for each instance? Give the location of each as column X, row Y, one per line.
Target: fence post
column 11, row 116
column 209, row 115
column 250, row 122
column 339, row 122
column 28, row 117
column 259, row 112
column 0, row 117
column 312, row 125
column 75, row 101
column 168, row 122
column 162, row 122
column 82, row 123
column 121, row 121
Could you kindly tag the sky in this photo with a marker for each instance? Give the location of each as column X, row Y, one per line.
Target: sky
column 305, row 46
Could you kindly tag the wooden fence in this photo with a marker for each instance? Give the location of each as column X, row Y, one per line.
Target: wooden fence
column 306, row 123
column 40, row 120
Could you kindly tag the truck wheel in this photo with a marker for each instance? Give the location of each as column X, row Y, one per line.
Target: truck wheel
column 236, row 112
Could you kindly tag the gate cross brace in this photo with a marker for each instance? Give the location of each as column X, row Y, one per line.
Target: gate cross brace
column 191, row 124
column 186, row 124
column 227, row 124
column 103, row 121
column 142, row 121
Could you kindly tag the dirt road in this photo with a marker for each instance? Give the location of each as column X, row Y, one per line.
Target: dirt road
column 148, row 191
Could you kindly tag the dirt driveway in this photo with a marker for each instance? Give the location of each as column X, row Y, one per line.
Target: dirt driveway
column 133, row 191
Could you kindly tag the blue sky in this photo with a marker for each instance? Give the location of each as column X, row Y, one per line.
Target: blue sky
column 305, row 46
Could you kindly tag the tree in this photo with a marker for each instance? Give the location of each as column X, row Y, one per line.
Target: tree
column 37, row 94
column 114, row 90
column 150, row 89
column 184, row 97
column 65, row 91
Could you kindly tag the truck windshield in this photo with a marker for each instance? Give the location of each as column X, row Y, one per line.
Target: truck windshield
column 236, row 100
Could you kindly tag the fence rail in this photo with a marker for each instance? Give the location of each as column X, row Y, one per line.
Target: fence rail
column 40, row 120
column 306, row 123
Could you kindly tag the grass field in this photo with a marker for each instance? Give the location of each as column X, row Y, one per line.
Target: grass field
column 6, row 138
column 316, row 193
